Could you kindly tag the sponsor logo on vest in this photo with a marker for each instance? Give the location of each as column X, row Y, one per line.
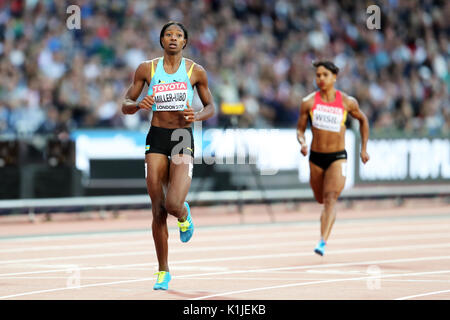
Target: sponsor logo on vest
column 169, row 87
column 328, row 109
column 170, row 96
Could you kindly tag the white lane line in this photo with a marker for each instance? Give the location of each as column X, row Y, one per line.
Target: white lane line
column 253, row 246
column 197, row 278
column 373, row 262
column 302, row 284
column 199, row 239
column 77, row 287
column 148, row 252
column 75, row 246
column 236, row 278
column 149, row 241
column 423, row 295
column 241, row 247
column 417, row 280
column 343, row 224
column 65, row 278
column 232, row 258
column 335, row 272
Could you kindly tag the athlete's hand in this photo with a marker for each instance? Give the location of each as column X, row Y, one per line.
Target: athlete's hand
column 188, row 114
column 304, row 149
column 147, row 102
column 364, row 156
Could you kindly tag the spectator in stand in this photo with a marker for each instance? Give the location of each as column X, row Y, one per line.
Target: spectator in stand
column 399, row 73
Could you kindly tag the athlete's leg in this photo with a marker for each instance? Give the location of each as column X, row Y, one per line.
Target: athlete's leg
column 316, row 181
column 157, row 178
column 333, row 184
column 180, row 177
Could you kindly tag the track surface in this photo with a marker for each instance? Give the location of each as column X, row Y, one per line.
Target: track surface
column 376, row 251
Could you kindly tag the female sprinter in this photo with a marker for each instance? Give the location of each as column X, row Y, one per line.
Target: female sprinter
column 327, row 109
column 169, row 145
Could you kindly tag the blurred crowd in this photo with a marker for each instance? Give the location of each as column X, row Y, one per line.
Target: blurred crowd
column 258, row 52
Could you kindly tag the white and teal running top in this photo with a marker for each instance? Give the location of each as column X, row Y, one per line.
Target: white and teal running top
column 172, row 91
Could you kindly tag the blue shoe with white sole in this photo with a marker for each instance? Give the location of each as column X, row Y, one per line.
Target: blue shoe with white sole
column 162, row 282
column 186, row 227
column 320, row 248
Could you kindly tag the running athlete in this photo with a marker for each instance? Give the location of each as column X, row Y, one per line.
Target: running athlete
column 169, row 145
column 327, row 110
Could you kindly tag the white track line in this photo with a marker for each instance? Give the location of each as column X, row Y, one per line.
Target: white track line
column 317, row 282
column 281, row 234
column 234, row 247
column 84, row 278
column 417, row 280
column 149, row 241
column 76, row 246
column 347, row 264
column 343, row 224
column 376, row 262
column 241, row 278
column 76, row 287
column 232, row 258
column 305, row 279
column 423, row 295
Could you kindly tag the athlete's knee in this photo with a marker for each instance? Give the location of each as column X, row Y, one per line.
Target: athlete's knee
column 317, row 190
column 319, row 198
column 330, row 197
column 154, row 186
column 174, row 207
column 318, row 195
column 159, row 213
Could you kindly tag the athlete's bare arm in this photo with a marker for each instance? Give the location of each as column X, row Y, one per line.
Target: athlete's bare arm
column 355, row 112
column 130, row 105
column 305, row 107
column 200, row 80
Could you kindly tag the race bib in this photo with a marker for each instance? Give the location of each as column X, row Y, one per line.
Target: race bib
column 327, row 118
column 170, row 96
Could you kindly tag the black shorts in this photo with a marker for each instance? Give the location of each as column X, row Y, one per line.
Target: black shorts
column 170, row 141
column 324, row 160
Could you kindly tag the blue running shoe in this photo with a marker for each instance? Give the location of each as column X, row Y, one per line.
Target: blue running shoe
column 186, row 227
column 162, row 282
column 320, row 248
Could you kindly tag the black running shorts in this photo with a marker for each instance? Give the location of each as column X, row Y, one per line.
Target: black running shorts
column 324, row 160
column 169, row 141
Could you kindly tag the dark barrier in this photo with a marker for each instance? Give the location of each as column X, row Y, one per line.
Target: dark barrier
column 56, row 182
column 39, row 181
column 9, row 169
column 127, row 176
column 9, row 182
column 24, row 173
column 27, row 171
column 405, row 161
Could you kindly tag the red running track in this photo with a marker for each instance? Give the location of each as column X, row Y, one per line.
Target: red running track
column 377, row 250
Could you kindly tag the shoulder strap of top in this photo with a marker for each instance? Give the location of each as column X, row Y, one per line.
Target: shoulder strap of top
column 153, row 70
column 160, row 59
column 317, row 97
column 190, row 70
column 338, row 98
